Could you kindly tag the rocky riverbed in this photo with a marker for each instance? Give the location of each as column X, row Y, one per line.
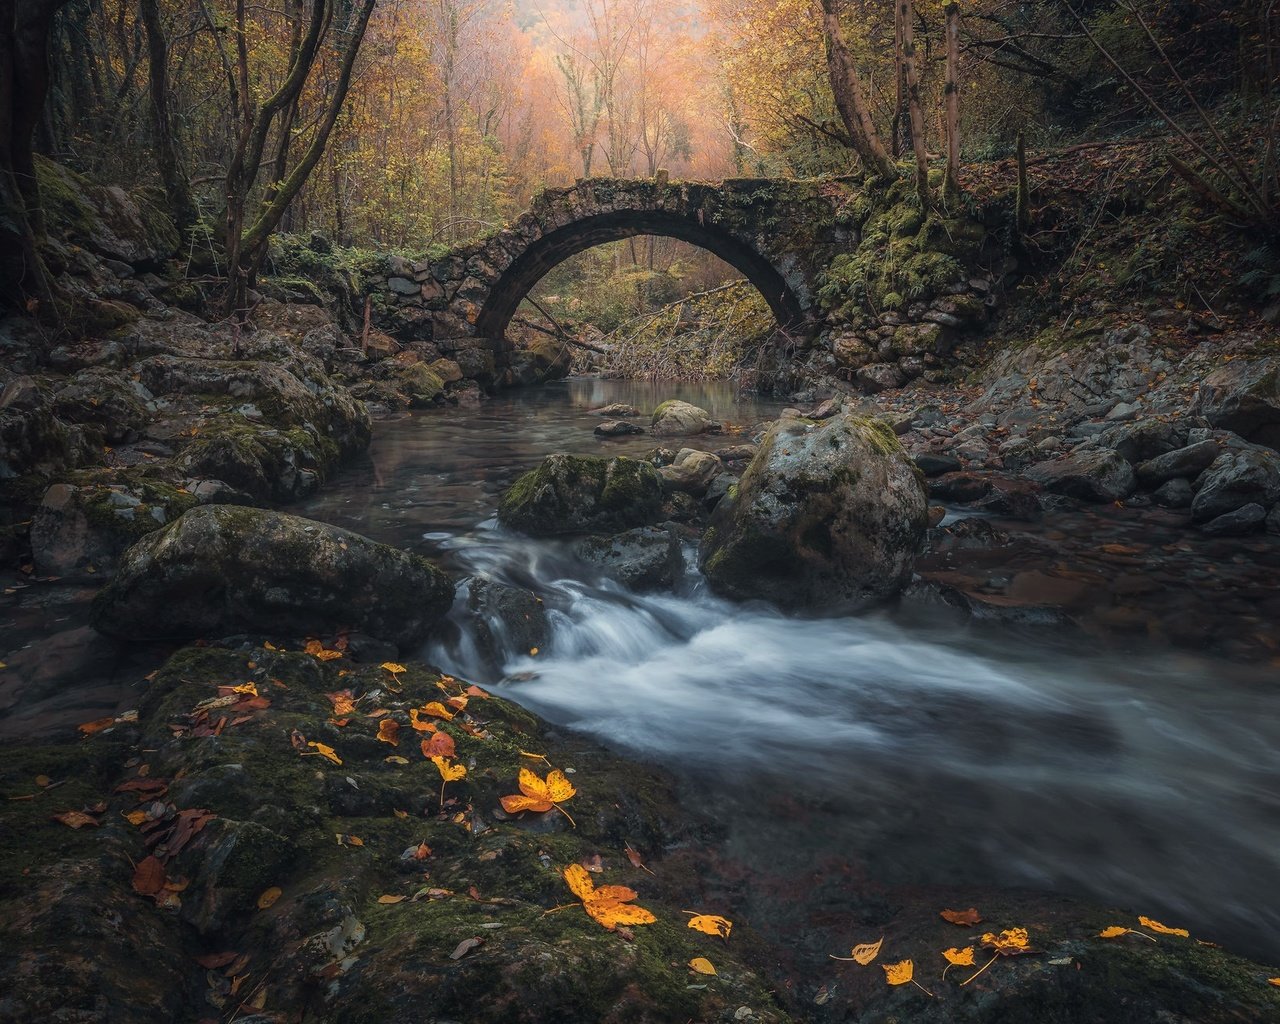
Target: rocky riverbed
column 233, row 811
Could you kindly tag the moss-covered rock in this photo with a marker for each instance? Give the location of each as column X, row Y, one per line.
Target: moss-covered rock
column 674, row 418
column 571, row 494
column 827, row 517
column 227, row 568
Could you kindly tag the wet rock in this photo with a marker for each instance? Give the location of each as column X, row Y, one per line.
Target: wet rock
column 541, row 360
column 936, row 463
column 676, row 418
column 447, row 370
column 1144, row 439
column 1246, row 519
column 616, row 410
column 222, row 569
column 1188, row 462
column 421, row 385
column 1235, row 479
column 617, row 428
column 570, row 494
column 258, row 460
column 1175, row 493
column 647, row 558
column 1273, row 520
column 106, row 400
column 962, row 487
column 506, row 620
column 1089, row 474
column 737, row 453
column 1244, row 396
column 692, row 472
column 826, row 517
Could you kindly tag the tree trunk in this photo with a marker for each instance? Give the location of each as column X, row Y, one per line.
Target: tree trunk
column 25, row 284
column 851, row 98
column 913, row 101
column 951, row 189
column 901, row 133
column 172, row 172
column 1023, row 208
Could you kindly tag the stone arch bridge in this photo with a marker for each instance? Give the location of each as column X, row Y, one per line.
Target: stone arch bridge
column 779, row 234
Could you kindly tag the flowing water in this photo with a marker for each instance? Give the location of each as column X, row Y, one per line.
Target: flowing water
column 929, row 753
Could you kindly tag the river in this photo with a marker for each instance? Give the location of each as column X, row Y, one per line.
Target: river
column 924, row 751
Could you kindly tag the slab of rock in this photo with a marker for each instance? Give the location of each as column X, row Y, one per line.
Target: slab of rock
column 646, row 558
column 1246, row 519
column 105, row 400
column 1144, row 439
column 1244, row 396
column 616, row 428
column 936, row 463
column 879, row 377
column 570, row 494
column 1235, row 479
column 675, row 418
column 691, row 472
column 222, row 569
column 1089, row 474
column 616, row 410
column 1188, row 462
column 826, row 517
column 1175, row 493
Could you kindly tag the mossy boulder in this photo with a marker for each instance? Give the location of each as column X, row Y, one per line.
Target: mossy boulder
column 32, row 437
column 675, row 418
column 420, row 384
column 106, row 219
column 827, row 517
column 224, row 569
column 573, row 494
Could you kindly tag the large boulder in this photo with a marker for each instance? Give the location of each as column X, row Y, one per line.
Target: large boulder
column 1244, row 396
column 1237, row 477
column 571, row 494
column 691, row 472
column 223, row 569
column 1088, row 473
column 826, row 517
column 1188, row 461
column 505, row 620
column 646, row 558
column 674, row 418
column 106, row 400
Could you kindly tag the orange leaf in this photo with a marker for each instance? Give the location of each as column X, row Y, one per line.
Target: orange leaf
column 438, row 710
column 1163, row 929
column 389, row 731
column 440, row 745
column 392, row 667
column 75, row 819
column 269, row 896
column 97, row 725
column 325, row 751
column 539, row 794
column 702, row 965
column 967, row 918
column 900, row 973
column 1114, row 932
column 710, row 924
column 864, row 953
column 391, row 899
column 609, row 905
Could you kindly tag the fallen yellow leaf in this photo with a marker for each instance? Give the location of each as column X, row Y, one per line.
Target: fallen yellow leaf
column 610, row 905
column 438, row 710
column 392, row 667
column 959, row 957
column 710, row 924
column 391, row 899
column 450, row 772
column 539, row 794
column 269, row 897
column 900, row 973
column 1114, row 932
column 702, row 965
column 325, row 751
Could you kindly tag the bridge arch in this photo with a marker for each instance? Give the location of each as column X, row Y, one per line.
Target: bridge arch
column 518, row 278
column 779, row 234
